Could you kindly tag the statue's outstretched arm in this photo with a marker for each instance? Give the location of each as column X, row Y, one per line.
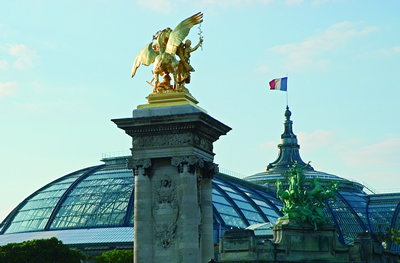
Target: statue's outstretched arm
column 197, row 46
column 181, row 31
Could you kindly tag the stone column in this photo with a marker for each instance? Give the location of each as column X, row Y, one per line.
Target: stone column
column 173, row 206
column 189, row 214
column 143, row 223
column 207, row 241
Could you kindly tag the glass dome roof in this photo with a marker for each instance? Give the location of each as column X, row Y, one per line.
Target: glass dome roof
column 95, row 205
column 93, row 197
column 101, row 197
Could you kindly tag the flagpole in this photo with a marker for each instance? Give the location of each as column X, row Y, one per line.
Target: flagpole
column 287, row 96
column 287, row 99
column 280, row 84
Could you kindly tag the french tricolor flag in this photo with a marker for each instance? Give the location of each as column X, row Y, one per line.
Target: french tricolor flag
column 279, row 84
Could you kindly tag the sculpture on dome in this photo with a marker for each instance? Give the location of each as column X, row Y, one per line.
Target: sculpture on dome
column 162, row 51
column 304, row 204
column 395, row 236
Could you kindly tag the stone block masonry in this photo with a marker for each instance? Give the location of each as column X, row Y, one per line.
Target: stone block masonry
column 172, row 160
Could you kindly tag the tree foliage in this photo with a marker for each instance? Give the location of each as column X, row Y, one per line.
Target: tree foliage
column 116, row 256
column 40, row 251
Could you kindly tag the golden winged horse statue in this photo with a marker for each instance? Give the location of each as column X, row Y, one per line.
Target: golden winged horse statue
column 162, row 51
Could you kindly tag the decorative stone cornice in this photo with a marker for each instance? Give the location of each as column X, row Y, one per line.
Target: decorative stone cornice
column 135, row 164
column 209, row 169
column 155, row 129
column 192, row 161
column 175, row 139
column 168, row 120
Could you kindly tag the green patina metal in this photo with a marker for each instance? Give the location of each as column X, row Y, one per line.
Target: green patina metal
column 395, row 236
column 301, row 203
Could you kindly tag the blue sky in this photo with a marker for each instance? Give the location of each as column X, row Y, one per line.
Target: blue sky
column 65, row 72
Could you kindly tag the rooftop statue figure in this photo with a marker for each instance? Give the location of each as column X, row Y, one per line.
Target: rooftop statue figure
column 304, row 204
column 162, row 51
column 395, row 236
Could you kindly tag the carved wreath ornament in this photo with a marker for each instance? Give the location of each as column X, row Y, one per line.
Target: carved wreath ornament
column 166, row 211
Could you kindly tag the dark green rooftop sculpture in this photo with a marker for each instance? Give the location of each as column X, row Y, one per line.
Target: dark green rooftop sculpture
column 395, row 236
column 303, row 204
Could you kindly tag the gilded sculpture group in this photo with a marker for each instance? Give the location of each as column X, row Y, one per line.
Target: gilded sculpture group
column 303, row 204
column 162, row 51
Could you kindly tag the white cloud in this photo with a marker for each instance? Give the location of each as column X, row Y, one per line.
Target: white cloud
column 8, row 88
column 32, row 106
column 38, row 86
column 382, row 181
column 353, row 152
column 385, row 153
column 320, row 2
column 315, row 140
column 4, row 64
column 294, row 2
column 323, row 144
column 25, row 55
column 161, row 6
column 309, row 141
column 306, row 54
column 377, row 164
column 263, row 69
column 166, row 6
column 391, row 51
column 269, row 145
column 233, row 3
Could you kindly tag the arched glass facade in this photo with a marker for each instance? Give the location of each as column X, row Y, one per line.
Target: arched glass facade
column 95, row 205
column 101, row 198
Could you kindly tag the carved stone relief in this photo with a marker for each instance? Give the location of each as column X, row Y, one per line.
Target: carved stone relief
column 179, row 139
column 166, row 234
column 166, row 192
column 165, row 211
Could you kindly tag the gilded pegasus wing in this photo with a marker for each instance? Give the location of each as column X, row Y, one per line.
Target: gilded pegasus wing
column 181, row 31
column 146, row 56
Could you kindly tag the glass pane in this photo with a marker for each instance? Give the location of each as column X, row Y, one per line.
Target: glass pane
column 253, row 216
column 233, row 221
column 100, row 200
column 219, row 199
column 225, row 209
column 35, row 213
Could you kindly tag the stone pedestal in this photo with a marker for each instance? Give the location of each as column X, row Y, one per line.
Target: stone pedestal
column 238, row 245
column 172, row 160
column 297, row 241
column 156, row 100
